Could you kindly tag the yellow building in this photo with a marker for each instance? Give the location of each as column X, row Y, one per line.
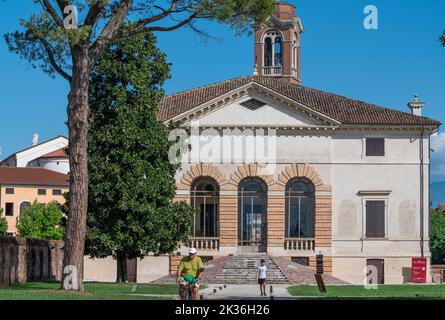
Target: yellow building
column 19, row 187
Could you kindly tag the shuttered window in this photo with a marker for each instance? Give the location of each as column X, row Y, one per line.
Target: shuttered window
column 9, row 209
column 375, row 219
column 375, row 147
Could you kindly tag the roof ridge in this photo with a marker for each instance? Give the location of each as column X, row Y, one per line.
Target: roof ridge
column 346, row 98
column 339, row 107
column 39, row 144
column 206, row 86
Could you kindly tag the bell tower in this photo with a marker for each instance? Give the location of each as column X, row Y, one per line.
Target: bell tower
column 277, row 45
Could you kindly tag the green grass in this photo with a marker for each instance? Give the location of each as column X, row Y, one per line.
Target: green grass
column 93, row 291
column 383, row 292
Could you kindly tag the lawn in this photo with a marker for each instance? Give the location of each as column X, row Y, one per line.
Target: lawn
column 383, row 292
column 93, row 291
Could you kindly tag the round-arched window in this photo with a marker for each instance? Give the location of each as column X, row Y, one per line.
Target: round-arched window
column 205, row 198
column 273, row 49
column 23, row 206
column 252, row 213
column 300, row 209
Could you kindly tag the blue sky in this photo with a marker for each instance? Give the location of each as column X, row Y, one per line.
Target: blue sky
column 385, row 66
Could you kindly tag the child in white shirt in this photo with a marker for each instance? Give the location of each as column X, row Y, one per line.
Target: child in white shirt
column 261, row 276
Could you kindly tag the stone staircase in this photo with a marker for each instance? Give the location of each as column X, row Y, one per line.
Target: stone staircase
column 241, row 269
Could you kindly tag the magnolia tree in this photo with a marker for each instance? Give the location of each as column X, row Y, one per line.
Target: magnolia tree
column 132, row 182
column 67, row 37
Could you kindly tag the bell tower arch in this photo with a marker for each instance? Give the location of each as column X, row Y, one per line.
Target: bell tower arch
column 277, row 45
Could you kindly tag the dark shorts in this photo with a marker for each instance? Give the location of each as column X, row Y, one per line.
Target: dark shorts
column 261, row 281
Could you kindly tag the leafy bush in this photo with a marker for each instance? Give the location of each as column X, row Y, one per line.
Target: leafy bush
column 3, row 225
column 42, row 221
column 437, row 237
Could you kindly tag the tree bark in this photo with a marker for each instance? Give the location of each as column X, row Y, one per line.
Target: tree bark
column 78, row 111
column 121, row 268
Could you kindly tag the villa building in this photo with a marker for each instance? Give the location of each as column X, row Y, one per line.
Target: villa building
column 20, row 187
column 341, row 178
column 38, row 173
column 49, row 155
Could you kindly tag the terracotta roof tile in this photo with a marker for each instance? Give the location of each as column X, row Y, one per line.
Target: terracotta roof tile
column 342, row 109
column 32, row 176
column 61, row 153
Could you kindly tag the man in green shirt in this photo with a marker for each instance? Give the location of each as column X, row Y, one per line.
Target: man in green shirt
column 190, row 270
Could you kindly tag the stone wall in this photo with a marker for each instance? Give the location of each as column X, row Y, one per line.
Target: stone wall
column 23, row 260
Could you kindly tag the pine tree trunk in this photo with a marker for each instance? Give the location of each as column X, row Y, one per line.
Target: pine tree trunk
column 78, row 111
column 121, row 268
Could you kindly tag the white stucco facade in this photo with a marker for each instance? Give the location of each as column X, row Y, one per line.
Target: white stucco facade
column 34, row 156
column 338, row 154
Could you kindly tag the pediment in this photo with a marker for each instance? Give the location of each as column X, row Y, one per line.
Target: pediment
column 254, row 107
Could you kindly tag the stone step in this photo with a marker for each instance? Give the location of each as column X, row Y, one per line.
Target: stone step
column 241, row 269
column 234, row 281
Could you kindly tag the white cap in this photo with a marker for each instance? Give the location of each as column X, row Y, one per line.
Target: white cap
column 192, row 251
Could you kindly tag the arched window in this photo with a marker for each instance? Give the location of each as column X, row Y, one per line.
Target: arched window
column 268, row 52
column 273, row 49
column 300, row 209
column 252, row 211
column 205, row 198
column 23, row 206
column 278, row 52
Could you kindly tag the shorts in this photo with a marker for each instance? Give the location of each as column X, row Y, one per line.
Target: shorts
column 261, row 281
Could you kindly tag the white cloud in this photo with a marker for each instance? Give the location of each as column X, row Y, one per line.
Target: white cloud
column 438, row 157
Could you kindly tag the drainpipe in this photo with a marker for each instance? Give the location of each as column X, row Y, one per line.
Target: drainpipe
column 422, row 188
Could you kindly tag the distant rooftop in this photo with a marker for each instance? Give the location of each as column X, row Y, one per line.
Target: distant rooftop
column 32, row 177
column 61, row 153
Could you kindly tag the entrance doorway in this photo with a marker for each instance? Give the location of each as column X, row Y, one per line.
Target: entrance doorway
column 132, row 269
column 252, row 215
column 375, row 271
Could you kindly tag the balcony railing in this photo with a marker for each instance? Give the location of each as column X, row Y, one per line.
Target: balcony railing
column 204, row 243
column 300, row 244
column 273, row 71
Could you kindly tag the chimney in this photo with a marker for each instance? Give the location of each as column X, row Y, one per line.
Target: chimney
column 416, row 106
column 35, row 139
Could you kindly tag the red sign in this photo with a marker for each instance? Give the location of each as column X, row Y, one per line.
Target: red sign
column 418, row 270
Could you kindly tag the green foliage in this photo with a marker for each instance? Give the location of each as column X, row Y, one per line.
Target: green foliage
column 45, row 43
column 3, row 225
column 437, row 236
column 42, row 221
column 239, row 14
column 131, row 180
